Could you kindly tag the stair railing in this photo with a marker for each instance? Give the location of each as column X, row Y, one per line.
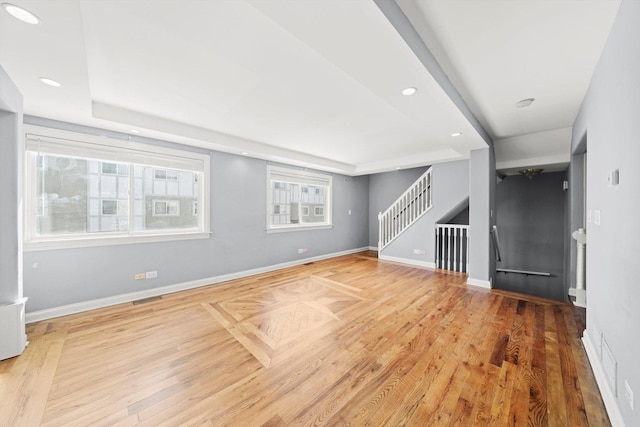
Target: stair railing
column 452, row 247
column 406, row 210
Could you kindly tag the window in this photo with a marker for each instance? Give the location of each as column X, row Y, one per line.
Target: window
column 114, row 207
column 297, row 199
column 86, row 191
column 166, row 208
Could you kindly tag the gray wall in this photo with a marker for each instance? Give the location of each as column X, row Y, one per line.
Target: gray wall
column 609, row 114
column 384, row 189
column 531, row 224
column 239, row 242
column 450, row 193
column 11, row 163
column 482, row 173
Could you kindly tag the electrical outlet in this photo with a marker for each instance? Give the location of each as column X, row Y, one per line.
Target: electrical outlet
column 628, row 393
column 302, row 250
column 151, row 274
column 419, row 252
column 140, row 276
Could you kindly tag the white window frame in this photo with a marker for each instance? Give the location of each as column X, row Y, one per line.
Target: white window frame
column 297, row 176
column 47, row 141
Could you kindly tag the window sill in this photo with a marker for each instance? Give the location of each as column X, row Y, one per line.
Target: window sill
column 299, row 228
column 93, row 241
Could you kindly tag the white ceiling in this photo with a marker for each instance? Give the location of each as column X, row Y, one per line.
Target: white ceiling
column 498, row 52
column 316, row 82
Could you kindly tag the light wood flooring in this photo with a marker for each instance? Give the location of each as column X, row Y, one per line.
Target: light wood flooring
column 343, row 342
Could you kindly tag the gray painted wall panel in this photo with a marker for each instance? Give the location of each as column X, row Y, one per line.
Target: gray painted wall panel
column 239, row 241
column 11, row 164
column 480, row 220
column 610, row 114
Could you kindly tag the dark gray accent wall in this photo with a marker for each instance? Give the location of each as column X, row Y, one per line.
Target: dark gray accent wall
column 461, row 217
column 11, row 164
column 239, row 241
column 531, row 224
column 609, row 116
column 384, row 189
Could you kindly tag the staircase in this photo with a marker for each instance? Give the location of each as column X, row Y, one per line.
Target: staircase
column 406, row 210
column 416, row 231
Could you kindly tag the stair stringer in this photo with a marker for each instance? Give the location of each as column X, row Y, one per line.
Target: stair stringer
column 450, row 189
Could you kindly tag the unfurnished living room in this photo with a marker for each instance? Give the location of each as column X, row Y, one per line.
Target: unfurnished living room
column 319, row 212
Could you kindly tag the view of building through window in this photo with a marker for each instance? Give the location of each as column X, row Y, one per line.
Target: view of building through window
column 80, row 195
column 297, row 203
column 297, row 199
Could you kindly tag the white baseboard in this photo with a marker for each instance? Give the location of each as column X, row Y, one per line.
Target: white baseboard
column 407, row 261
column 480, row 283
column 373, row 248
column 49, row 313
column 610, row 403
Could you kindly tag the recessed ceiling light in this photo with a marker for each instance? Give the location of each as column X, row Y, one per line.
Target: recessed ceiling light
column 134, row 131
column 409, row 91
column 398, row 168
column 244, row 153
column 20, row 13
column 456, row 134
column 525, row 102
column 50, row 82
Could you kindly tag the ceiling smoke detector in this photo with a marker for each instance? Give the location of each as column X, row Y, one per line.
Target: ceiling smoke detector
column 525, row 102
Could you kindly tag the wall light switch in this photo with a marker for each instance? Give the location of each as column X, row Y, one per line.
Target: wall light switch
column 596, row 217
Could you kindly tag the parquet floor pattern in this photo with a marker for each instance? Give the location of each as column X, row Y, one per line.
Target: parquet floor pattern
column 348, row 341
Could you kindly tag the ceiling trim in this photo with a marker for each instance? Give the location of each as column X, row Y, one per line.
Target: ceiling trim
column 218, row 141
column 555, row 159
column 408, row 162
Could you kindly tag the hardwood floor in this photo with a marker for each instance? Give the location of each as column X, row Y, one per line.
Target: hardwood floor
column 346, row 341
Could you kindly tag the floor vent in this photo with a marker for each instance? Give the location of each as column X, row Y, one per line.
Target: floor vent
column 146, row 300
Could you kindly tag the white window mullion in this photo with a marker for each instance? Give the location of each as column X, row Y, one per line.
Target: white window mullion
column 132, row 199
